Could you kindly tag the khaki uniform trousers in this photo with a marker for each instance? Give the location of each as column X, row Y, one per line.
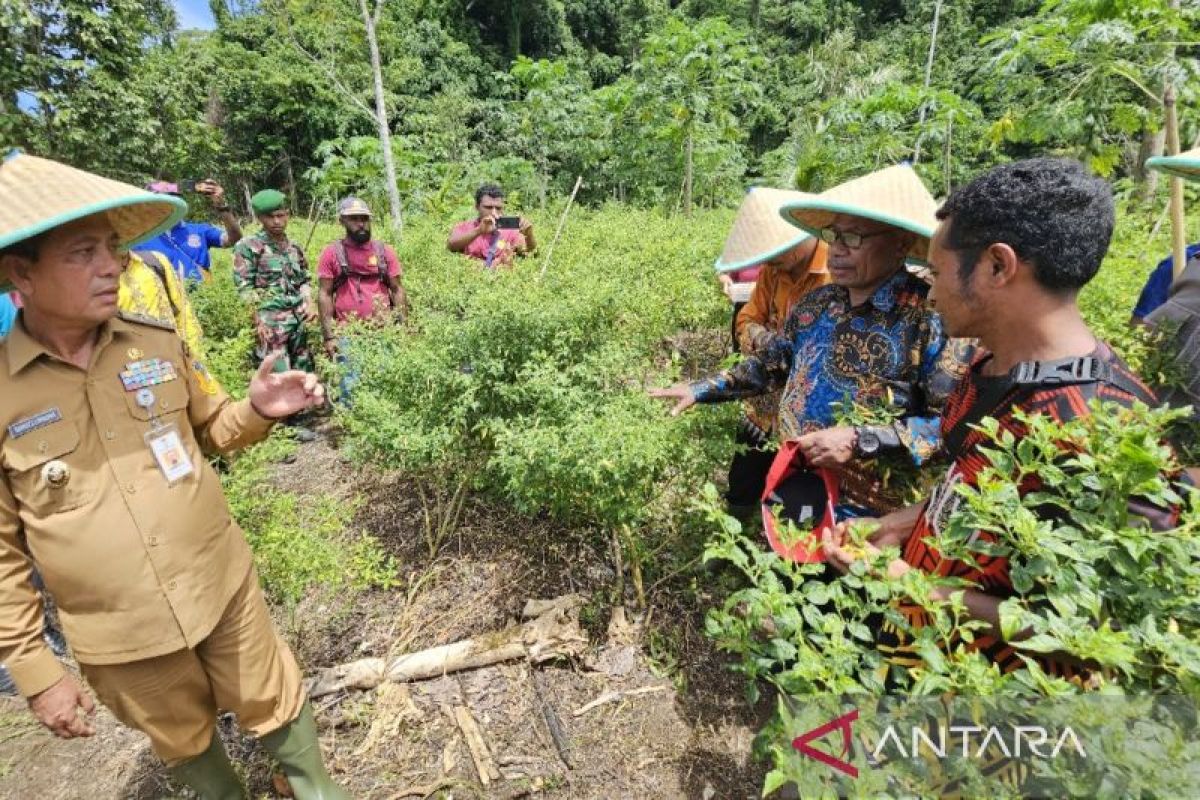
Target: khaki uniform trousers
column 242, row 666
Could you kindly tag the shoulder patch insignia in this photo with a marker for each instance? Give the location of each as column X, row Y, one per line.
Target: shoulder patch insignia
column 204, row 379
column 143, row 319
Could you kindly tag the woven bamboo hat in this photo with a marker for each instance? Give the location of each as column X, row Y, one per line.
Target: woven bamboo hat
column 894, row 196
column 37, row 194
column 759, row 233
column 1185, row 165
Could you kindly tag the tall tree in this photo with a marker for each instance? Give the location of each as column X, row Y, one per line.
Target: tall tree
column 342, row 67
column 688, row 88
column 66, row 75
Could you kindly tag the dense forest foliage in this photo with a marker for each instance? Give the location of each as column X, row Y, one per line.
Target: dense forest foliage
column 666, row 102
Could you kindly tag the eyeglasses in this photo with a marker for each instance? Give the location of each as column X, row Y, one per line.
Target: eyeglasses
column 850, row 239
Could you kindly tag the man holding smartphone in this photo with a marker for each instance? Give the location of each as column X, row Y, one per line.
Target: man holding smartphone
column 492, row 237
column 186, row 244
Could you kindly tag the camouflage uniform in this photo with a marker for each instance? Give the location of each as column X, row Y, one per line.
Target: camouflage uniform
column 270, row 277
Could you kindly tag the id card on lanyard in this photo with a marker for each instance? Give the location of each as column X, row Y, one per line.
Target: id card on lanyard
column 165, row 443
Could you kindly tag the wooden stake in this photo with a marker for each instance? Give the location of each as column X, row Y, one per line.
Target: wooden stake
column 1178, row 231
column 561, row 222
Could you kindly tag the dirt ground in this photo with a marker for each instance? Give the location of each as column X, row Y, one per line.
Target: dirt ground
column 686, row 732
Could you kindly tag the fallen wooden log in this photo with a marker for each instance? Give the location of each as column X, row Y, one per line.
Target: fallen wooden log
column 555, row 633
column 553, row 724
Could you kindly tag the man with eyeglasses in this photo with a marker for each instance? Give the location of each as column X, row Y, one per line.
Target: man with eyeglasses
column 865, row 346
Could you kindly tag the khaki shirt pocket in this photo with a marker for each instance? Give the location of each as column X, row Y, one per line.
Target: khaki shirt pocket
column 170, row 398
column 40, row 485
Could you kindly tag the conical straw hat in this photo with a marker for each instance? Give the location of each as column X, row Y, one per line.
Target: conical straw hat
column 759, row 233
column 894, row 196
column 37, row 194
column 1185, row 165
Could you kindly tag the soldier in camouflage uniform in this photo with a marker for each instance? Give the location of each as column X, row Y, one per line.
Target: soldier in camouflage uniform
column 271, row 273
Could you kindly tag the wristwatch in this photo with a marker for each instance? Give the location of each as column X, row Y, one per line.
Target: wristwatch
column 866, row 442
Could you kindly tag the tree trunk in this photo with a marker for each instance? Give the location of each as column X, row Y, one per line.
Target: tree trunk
column 1152, row 145
column 514, row 29
column 291, row 178
column 688, row 167
column 381, row 118
column 937, row 14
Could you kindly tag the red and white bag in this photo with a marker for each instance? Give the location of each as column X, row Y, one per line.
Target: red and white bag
column 802, row 494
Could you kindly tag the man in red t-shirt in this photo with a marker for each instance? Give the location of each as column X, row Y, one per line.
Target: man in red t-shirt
column 359, row 277
column 1013, row 249
column 483, row 239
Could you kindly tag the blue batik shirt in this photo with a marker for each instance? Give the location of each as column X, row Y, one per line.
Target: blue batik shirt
column 890, row 352
column 186, row 245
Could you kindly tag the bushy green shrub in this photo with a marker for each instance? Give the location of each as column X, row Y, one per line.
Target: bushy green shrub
column 1094, row 584
column 532, row 387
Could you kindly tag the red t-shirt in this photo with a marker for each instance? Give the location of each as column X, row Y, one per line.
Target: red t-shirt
column 363, row 294
column 506, row 243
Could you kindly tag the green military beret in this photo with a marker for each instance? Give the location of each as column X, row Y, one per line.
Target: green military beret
column 268, row 200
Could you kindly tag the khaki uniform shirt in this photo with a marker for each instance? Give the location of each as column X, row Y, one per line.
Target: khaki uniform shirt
column 138, row 568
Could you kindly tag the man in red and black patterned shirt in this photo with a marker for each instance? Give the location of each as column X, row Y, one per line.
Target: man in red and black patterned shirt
column 1013, row 249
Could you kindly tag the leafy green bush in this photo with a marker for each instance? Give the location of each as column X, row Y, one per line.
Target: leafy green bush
column 1093, row 583
column 532, row 387
column 300, row 542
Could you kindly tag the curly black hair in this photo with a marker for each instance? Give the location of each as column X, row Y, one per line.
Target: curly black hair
column 1051, row 211
column 489, row 190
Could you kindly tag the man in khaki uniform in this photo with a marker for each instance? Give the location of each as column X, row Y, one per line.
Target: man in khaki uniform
column 105, row 421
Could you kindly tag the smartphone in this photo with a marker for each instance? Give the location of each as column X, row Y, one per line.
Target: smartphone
column 508, row 223
column 187, row 185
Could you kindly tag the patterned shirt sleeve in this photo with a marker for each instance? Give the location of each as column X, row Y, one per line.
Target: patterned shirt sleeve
column 755, row 375
column 944, row 362
column 245, row 271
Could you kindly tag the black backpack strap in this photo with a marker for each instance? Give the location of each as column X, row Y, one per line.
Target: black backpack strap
column 1026, row 378
column 339, row 252
column 381, row 261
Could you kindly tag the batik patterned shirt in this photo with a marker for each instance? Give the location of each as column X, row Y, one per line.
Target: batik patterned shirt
column 890, row 351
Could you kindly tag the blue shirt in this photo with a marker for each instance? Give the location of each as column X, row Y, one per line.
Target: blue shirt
column 889, row 353
column 186, row 246
column 1158, row 286
column 8, row 313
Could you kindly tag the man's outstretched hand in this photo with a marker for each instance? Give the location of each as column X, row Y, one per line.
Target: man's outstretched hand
column 276, row 395
column 681, row 393
column 58, row 709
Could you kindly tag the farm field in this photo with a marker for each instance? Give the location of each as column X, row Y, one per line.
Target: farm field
column 501, row 449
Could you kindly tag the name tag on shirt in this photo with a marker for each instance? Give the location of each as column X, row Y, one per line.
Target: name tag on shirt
column 169, row 453
column 30, row 424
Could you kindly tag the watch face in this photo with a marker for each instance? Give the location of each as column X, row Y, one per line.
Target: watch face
column 868, row 442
